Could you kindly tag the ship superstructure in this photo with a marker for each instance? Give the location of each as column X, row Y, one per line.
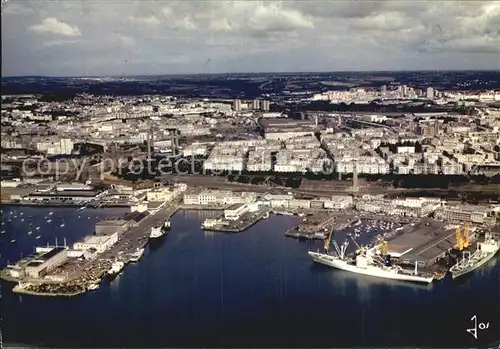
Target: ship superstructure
column 159, row 230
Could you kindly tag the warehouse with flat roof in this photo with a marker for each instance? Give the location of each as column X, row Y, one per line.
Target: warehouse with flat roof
column 423, row 243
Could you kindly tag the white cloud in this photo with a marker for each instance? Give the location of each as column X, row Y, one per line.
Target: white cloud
column 54, row 26
column 148, row 20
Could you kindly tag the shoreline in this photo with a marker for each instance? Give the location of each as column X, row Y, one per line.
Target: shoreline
column 55, row 205
column 17, row 289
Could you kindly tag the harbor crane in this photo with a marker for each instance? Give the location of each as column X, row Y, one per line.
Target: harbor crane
column 328, row 239
column 466, row 236
column 460, row 240
column 384, row 249
column 463, row 237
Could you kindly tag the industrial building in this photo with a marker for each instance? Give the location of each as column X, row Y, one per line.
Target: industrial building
column 119, row 224
column 467, row 213
column 234, row 211
column 423, row 243
column 72, row 195
column 99, row 243
column 46, row 262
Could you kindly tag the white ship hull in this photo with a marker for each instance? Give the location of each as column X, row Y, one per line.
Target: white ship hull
column 116, row 268
column 483, row 259
column 156, row 232
column 137, row 255
column 369, row 270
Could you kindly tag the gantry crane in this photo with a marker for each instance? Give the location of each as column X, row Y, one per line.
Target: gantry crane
column 384, row 249
column 328, row 240
column 460, row 240
column 465, row 238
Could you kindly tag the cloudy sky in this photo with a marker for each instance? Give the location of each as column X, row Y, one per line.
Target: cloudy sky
column 108, row 37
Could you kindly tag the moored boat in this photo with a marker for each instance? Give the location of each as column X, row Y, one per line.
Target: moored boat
column 368, row 263
column 485, row 251
column 134, row 257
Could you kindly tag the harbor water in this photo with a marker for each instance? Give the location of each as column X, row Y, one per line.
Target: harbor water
column 251, row 289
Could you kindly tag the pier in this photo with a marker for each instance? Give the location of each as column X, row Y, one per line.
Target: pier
column 243, row 223
column 74, row 276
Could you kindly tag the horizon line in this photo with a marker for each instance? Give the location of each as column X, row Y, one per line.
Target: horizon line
column 250, row 73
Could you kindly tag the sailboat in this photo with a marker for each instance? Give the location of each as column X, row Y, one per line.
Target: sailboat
column 62, row 222
column 31, row 230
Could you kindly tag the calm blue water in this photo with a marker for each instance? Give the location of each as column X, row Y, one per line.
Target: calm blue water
column 253, row 289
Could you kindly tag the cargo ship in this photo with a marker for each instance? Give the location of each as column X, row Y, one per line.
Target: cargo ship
column 485, row 251
column 367, row 262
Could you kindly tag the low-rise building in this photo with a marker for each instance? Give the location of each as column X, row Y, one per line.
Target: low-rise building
column 46, row 262
column 235, row 211
column 99, row 243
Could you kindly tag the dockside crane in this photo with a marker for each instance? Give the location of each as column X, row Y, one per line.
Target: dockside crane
column 359, row 248
column 466, row 237
column 460, row 240
column 384, row 249
column 328, row 240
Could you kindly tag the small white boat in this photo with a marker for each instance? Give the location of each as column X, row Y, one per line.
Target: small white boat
column 51, row 213
column 93, row 287
column 137, row 255
column 39, row 236
column 37, row 228
column 2, row 232
column 49, row 220
column 12, row 241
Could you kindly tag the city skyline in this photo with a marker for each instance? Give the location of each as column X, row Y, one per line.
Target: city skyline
column 80, row 38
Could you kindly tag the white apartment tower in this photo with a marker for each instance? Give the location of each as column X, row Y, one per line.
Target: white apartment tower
column 66, row 146
column 430, row 93
column 236, row 105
